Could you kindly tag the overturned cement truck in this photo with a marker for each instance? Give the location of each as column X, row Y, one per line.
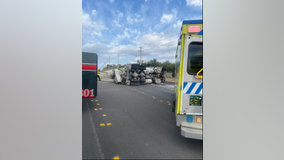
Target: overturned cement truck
column 135, row 74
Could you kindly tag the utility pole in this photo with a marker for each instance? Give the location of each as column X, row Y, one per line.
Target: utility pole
column 109, row 62
column 140, row 53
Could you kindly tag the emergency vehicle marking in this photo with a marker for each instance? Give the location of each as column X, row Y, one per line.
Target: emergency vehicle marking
column 200, row 33
column 192, row 88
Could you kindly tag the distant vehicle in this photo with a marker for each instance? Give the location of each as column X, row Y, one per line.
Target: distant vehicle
column 187, row 103
column 136, row 74
column 89, row 74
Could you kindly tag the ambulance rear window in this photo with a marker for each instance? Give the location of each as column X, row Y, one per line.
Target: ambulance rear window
column 195, row 58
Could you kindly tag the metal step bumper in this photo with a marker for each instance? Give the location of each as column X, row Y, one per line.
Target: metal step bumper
column 191, row 130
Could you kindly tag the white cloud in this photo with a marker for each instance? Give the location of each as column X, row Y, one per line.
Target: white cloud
column 154, row 44
column 87, row 23
column 105, row 50
column 90, row 28
column 94, row 12
column 134, row 20
column 166, row 18
column 195, row 17
column 120, row 14
column 117, row 14
column 144, row 58
column 178, row 24
column 99, row 26
column 96, row 33
column 125, row 35
column 167, row 1
column 161, row 46
column 195, row 3
column 136, row 59
column 157, row 44
column 166, row 55
column 137, row 15
column 116, row 23
column 130, row 20
column 86, row 20
column 133, row 31
column 111, row 1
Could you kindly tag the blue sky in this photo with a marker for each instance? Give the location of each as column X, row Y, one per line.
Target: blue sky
column 110, row 27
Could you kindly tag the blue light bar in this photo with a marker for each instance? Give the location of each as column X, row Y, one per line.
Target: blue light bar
column 200, row 33
column 192, row 22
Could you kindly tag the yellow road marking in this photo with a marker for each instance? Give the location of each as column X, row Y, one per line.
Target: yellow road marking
column 142, row 92
column 108, row 124
column 104, row 114
column 96, row 100
column 102, row 124
column 92, row 100
column 116, row 158
column 153, row 97
column 98, row 104
column 95, row 109
column 101, row 109
column 161, row 100
column 169, row 104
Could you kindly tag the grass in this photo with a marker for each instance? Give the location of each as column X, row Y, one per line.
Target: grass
column 169, row 75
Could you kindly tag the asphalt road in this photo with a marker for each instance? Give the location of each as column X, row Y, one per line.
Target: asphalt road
column 138, row 123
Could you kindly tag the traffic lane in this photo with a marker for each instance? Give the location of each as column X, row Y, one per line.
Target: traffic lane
column 141, row 127
column 129, row 137
column 158, row 92
column 165, row 86
column 171, row 83
column 169, row 87
column 90, row 145
column 131, row 110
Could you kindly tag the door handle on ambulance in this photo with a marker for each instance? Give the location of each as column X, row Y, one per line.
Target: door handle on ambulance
column 200, row 77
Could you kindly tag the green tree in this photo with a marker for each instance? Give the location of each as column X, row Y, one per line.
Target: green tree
column 154, row 63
